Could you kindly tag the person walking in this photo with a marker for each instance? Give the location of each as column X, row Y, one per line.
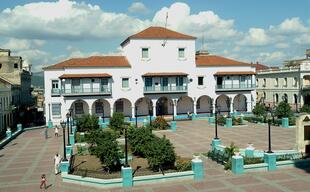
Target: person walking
column 56, row 131
column 57, row 160
column 43, row 181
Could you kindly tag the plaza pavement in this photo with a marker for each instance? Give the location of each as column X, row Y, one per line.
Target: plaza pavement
column 24, row 159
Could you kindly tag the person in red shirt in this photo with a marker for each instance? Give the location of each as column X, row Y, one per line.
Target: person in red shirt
column 43, row 181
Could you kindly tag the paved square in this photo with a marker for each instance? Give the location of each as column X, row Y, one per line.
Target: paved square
column 196, row 136
column 27, row 157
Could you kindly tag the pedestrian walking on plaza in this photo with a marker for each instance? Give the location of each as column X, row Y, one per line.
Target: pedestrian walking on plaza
column 43, row 181
column 46, row 133
column 56, row 131
column 57, row 160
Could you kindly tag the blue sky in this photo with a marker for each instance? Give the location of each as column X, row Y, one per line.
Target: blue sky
column 46, row 32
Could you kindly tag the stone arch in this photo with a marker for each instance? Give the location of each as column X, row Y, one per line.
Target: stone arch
column 285, row 98
column 101, row 107
column 164, row 106
column 185, row 104
column 276, row 98
column 144, row 106
column 204, row 104
column 306, row 99
column 223, row 102
column 240, row 103
column 122, row 105
column 295, row 99
column 80, row 108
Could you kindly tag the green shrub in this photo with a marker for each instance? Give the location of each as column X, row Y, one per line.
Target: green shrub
column 159, row 123
column 227, row 165
column 292, row 120
column 255, row 119
column 139, row 139
column 87, row 123
column 259, row 110
column 252, row 160
column 283, row 110
column 182, row 164
column 231, row 150
column 160, row 154
column 236, row 120
column 221, row 120
column 117, row 121
column 305, row 109
column 103, row 144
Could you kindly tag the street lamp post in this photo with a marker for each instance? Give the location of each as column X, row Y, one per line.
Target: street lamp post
column 126, row 146
column 211, row 108
column 150, row 113
column 173, row 103
column 63, row 125
column 136, row 115
column 49, row 112
column 71, row 122
column 269, row 133
column 217, row 109
column 68, row 116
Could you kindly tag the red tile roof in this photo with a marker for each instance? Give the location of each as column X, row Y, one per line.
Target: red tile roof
column 235, row 73
column 164, row 74
column 158, row 33
column 214, row 61
column 261, row 66
column 94, row 61
column 93, row 75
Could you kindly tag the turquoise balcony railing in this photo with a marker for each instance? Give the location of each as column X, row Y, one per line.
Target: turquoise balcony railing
column 235, row 87
column 165, row 89
column 55, row 91
column 87, row 91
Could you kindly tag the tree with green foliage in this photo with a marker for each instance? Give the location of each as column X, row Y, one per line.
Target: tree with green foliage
column 87, row 123
column 103, row 144
column 259, row 110
column 160, row 154
column 283, row 110
column 160, row 123
column 305, row 109
column 139, row 139
column 117, row 121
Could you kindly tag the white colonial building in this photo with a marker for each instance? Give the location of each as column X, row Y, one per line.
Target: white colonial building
column 290, row 83
column 159, row 72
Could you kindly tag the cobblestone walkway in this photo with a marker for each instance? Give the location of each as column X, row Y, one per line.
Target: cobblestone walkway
column 24, row 159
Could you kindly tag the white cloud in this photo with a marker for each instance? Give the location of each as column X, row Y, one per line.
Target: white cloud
column 282, row 45
column 75, row 52
column 22, row 44
column 289, row 26
column 35, row 57
column 138, row 7
column 303, row 39
column 207, row 22
column 271, row 57
column 66, row 19
column 255, row 37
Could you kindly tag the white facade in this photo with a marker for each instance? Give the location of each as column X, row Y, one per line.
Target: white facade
column 172, row 86
column 290, row 84
column 5, row 107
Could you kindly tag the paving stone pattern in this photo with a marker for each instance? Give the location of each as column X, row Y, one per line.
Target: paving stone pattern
column 24, row 159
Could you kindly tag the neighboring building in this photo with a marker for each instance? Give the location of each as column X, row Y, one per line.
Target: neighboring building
column 38, row 108
column 6, row 115
column 290, row 83
column 159, row 72
column 18, row 77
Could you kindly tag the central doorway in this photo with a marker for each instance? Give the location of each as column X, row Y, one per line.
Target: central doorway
column 162, row 106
